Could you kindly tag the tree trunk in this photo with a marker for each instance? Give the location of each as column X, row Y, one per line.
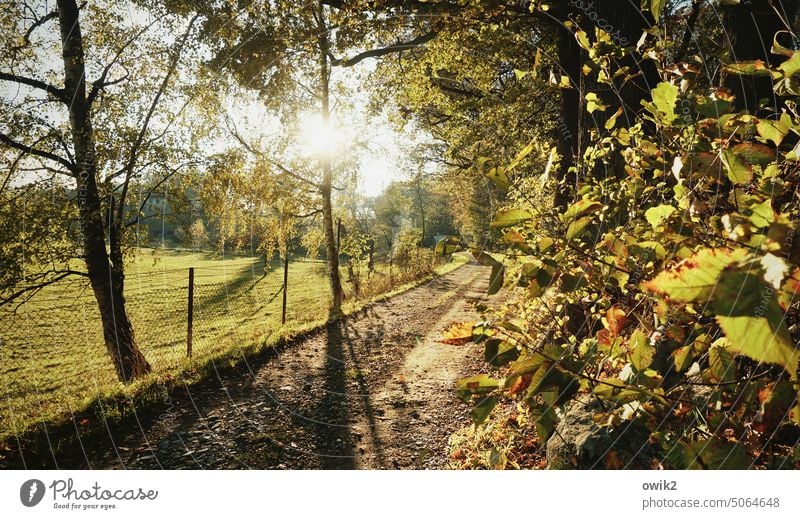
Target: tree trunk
column 628, row 23
column 107, row 280
column 337, row 294
column 568, row 128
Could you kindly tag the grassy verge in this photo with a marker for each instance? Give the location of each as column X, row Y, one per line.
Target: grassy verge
column 59, row 370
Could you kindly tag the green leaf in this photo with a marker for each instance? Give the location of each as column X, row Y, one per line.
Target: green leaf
column 538, row 379
column 495, row 459
column 494, row 173
column 656, row 6
column 594, row 104
column 754, row 153
column 763, row 339
column 683, row 358
column 448, row 245
column 762, row 214
column 695, row 278
column 545, row 419
column 612, row 121
column 774, row 131
column 499, row 352
column 744, row 305
column 720, row 361
column 484, row 408
column 485, row 259
column 791, row 66
column 499, row 177
column 478, row 384
column 649, row 250
column 583, row 39
column 748, row 312
column 642, row 352
column 522, row 155
column 738, row 171
column 713, row 107
column 665, row 97
column 496, row 279
column 572, row 282
column 577, row 227
column 510, row 218
column 749, row 68
column 656, row 215
column 524, row 366
column 581, row 207
column 517, row 241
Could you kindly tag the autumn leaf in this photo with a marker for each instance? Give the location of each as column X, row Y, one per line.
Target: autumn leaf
column 520, row 384
column 458, row 334
column 695, row 278
column 615, row 320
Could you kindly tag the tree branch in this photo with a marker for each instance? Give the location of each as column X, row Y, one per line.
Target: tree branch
column 101, row 82
column 26, row 39
column 129, row 167
column 260, row 154
column 307, row 215
column 58, row 93
column 383, row 51
column 8, row 141
column 150, row 192
column 37, row 287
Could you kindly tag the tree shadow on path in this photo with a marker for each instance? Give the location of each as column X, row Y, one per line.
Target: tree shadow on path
column 339, row 409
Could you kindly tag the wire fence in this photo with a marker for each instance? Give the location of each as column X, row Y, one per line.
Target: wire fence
column 53, row 359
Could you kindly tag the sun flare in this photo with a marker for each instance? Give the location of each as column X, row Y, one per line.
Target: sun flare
column 317, row 138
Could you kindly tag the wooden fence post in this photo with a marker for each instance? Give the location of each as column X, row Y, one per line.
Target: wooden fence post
column 285, row 286
column 190, row 316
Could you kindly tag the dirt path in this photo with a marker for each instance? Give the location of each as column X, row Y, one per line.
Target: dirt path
column 374, row 391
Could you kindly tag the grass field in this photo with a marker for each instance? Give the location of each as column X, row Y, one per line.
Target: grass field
column 53, row 362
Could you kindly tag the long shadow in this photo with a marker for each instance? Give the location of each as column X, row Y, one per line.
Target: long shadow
column 364, row 395
column 334, row 437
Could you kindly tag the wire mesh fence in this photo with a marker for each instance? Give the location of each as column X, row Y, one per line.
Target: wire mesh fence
column 53, row 359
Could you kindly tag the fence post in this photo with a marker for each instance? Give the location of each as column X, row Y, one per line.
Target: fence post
column 190, row 313
column 285, row 286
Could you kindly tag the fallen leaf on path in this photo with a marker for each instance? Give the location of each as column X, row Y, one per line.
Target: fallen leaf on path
column 458, row 333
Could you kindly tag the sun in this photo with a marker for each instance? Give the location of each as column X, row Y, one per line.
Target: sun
column 318, row 139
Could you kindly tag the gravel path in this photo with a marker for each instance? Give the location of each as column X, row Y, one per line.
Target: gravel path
column 372, row 391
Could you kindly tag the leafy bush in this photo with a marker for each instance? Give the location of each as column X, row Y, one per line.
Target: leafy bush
column 410, row 258
column 667, row 292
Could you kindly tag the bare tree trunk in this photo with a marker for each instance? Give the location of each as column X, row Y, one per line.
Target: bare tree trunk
column 337, row 293
column 107, row 279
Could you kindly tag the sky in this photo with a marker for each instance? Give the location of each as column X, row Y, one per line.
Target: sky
column 376, row 144
column 379, row 153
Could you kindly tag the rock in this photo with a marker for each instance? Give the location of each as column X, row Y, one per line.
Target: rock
column 579, row 443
